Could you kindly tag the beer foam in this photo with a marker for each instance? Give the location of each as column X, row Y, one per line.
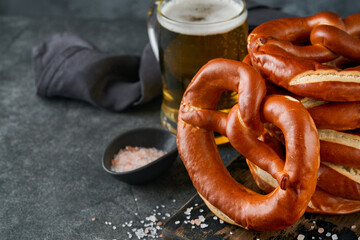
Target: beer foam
column 199, row 17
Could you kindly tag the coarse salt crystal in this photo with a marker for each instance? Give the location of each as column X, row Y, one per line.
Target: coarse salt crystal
column 177, row 222
column 334, row 237
column 328, row 234
column 301, row 237
column 130, row 158
column 201, row 218
column 188, row 211
column 203, row 225
column 197, row 222
column 152, row 218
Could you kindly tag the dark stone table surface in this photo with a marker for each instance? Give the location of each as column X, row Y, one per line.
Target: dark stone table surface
column 52, row 185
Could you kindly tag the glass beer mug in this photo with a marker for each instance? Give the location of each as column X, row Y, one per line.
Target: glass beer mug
column 185, row 35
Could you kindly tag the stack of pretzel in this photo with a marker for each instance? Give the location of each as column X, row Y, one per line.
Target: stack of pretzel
column 293, row 96
column 316, row 59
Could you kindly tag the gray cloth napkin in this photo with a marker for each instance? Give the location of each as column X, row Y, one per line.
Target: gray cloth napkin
column 68, row 66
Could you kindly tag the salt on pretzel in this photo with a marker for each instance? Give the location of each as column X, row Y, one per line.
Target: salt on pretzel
column 338, row 188
column 198, row 119
column 276, row 49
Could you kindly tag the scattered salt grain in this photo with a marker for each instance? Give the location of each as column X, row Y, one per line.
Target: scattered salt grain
column 203, row 225
column 221, row 221
column 328, row 234
column 230, row 233
column 353, row 226
column 215, row 218
column 151, row 218
column 93, row 219
column 188, row 211
column 197, row 222
column 201, row 210
column 301, row 237
column 130, row 158
column 114, row 227
column 177, row 222
column 334, row 237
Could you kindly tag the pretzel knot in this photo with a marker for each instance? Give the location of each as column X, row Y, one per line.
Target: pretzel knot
column 228, row 199
column 327, row 69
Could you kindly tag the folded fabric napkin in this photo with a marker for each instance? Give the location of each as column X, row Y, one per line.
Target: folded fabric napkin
column 69, row 66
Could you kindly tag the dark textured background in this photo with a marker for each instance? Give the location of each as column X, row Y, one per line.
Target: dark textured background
column 119, row 9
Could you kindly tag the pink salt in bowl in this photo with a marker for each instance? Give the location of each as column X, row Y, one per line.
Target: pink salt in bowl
column 143, row 138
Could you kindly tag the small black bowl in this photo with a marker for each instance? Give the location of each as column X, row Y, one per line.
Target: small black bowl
column 142, row 137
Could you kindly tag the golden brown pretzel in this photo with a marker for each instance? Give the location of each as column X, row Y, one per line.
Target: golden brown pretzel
column 321, row 201
column 276, row 49
column 340, row 148
column 333, row 115
column 228, row 199
column 336, row 193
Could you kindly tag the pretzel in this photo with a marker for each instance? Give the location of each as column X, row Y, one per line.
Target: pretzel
column 336, row 147
column 198, row 119
column 333, row 115
column 277, row 50
column 336, row 193
column 321, row 201
column 326, row 115
column 340, row 148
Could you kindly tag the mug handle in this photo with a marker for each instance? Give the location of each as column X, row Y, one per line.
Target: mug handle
column 152, row 28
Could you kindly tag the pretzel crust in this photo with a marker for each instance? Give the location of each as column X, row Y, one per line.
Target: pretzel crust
column 230, row 200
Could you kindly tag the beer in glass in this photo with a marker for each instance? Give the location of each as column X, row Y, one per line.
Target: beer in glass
column 192, row 32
